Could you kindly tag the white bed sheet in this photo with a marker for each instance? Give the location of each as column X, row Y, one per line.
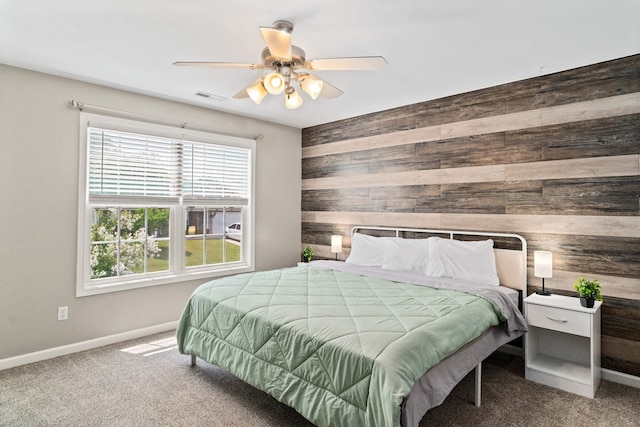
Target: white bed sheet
column 419, row 279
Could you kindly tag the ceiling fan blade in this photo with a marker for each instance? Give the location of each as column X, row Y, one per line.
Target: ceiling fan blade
column 218, row 65
column 278, row 41
column 329, row 91
column 355, row 63
column 242, row 93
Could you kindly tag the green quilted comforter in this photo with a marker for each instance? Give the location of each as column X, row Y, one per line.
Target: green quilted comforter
column 340, row 348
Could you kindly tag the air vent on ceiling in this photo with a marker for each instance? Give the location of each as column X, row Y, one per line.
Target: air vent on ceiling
column 210, row 96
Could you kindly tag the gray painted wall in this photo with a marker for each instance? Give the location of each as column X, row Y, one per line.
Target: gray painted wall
column 38, row 211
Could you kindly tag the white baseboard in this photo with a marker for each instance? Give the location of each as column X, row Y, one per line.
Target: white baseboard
column 50, row 353
column 620, row 378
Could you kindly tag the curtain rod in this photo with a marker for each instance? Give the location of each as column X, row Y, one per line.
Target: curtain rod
column 152, row 119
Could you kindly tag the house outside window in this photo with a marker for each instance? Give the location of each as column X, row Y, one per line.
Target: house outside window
column 160, row 205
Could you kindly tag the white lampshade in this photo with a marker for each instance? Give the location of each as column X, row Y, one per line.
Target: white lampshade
column 274, row 83
column 542, row 264
column 257, row 92
column 336, row 244
column 293, row 100
column 311, row 85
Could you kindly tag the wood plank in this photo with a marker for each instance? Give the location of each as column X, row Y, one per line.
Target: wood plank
column 615, row 77
column 340, row 167
column 621, row 365
column 396, row 159
column 610, row 136
column 411, row 136
column 613, row 106
column 413, row 163
column 396, row 119
column 624, row 288
column 320, row 234
column 618, row 226
column 510, row 97
column 590, row 196
column 318, row 167
column 381, row 179
column 589, row 138
column 575, row 168
column 621, row 320
column 478, row 150
column 472, row 105
column 594, row 255
column 335, row 199
column 618, row 349
column 461, row 175
column 414, row 192
column 404, row 151
column 354, row 203
column 479, row 198
column 611, row 166
column 501, row 123
column 621, row 226
column 345, row 146
column 594, row 196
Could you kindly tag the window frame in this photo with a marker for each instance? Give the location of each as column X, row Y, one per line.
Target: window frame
column 178, row 271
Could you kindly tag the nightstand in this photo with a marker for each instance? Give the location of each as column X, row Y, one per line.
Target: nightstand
column 562, row 347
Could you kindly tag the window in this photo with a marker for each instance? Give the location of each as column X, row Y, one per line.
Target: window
column 158, row 205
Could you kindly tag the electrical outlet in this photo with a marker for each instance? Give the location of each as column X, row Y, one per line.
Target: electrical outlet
column 63, row 313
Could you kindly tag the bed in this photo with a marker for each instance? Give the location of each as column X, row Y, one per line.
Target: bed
column 377, row 340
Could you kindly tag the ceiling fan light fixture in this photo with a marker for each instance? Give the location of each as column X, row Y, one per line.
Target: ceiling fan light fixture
column 274, row 83
column 257, row 92
column 311, row 85
column 292, row 99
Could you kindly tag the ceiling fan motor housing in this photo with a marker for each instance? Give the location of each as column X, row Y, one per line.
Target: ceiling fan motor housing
column 297, row 59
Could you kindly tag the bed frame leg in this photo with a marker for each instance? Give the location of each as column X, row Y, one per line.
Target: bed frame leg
column 478, row 398
column 193, row 360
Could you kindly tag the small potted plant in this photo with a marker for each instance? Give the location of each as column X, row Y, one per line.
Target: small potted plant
column 589, row 291
column 307, row 253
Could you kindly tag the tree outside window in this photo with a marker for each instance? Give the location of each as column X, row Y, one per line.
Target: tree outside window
column 122, row 245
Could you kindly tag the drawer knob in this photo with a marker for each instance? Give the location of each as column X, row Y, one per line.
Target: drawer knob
column 555, row 319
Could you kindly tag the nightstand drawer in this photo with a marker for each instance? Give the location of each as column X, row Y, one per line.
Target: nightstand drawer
column 558, row 319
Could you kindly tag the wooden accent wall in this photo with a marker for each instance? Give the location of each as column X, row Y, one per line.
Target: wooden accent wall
column 554, row 158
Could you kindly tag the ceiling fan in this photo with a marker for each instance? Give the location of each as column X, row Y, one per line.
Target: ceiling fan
column 287, row 63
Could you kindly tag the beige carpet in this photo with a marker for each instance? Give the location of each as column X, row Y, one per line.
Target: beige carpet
column 151, row 384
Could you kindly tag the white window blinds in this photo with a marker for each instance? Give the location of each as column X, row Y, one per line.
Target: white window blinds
column 128, row 165
column 215, row 173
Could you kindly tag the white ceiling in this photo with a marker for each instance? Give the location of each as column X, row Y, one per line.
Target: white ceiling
column 434, row 48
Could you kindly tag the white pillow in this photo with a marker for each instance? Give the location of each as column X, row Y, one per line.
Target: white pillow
column 406, row 255
column 366, row 250
column 471, row 261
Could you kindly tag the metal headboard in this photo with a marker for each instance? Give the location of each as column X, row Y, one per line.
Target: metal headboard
column 511, row 264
